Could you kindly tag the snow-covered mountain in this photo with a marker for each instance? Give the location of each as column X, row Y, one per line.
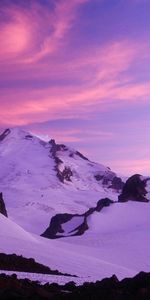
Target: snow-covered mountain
column 39, row 179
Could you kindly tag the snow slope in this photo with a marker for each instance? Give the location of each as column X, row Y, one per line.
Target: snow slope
column 117, row 242
column 32, row 191
column 120, row 234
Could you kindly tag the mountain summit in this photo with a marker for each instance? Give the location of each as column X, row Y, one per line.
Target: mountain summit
column 39, row 179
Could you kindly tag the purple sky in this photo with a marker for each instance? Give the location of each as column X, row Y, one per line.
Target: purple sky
column 79, row 71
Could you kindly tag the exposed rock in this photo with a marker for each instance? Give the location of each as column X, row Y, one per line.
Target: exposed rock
column 4, row 134
column 56, row 147
column 29, row 136
column 66, row 173
column 81, row 155
column 3, row 210
column 98, row 177
column 55, row 229
column 117, row 184
column 103, row 203
column 110, row 180
column 55, row 225
column 134, row 189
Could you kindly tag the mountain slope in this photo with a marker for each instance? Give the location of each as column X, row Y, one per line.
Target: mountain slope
column 116, row 243
column 63, row 256
column 40, row 179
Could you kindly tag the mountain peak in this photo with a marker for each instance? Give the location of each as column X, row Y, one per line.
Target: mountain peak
column 36, row 172
column 16, row 133
column 13, row 132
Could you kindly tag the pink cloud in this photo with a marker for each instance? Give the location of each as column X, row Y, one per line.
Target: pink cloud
column 102, row 73
column 30, row 34
column 69, row 135
column 140, row 166
column 103, row 83
column 14, row 35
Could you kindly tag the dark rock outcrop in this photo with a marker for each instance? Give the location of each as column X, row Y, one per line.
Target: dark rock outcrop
column 57, row 147
column 55, row 229
column 55, row 225
column 105, row 202
column 3, row 210
column 117, row 183
column 98, row 177
column 4, row 134
column 29, row 137
column 134, row 189
column 110, row 180
column 81, row 155
column 66, row 173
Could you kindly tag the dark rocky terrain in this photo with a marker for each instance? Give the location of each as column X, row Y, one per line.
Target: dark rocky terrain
column 137, row 288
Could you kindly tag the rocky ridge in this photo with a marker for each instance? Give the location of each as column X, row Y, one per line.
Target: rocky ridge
column 80, row 222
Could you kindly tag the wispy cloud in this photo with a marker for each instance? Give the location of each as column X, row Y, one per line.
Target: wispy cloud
column 132, row 166
column 30, row 33
column 103, row 81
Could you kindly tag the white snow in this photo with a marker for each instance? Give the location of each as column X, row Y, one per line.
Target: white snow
column 116, row 243
column 69, row 227
column 44, row 278
column 72, row 224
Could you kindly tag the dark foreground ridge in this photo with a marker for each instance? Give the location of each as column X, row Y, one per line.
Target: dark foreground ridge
column 137, row 288
column 13, row 262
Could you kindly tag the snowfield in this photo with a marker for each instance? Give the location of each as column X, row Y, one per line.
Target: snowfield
column 49, row 278
column 117, row 241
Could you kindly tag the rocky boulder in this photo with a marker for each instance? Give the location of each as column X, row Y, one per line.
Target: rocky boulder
column 134, row 189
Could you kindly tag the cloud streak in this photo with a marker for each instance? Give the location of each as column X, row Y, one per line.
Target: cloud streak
column 102, row 89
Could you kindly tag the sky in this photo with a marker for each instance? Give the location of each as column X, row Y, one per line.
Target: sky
column 78, row 71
